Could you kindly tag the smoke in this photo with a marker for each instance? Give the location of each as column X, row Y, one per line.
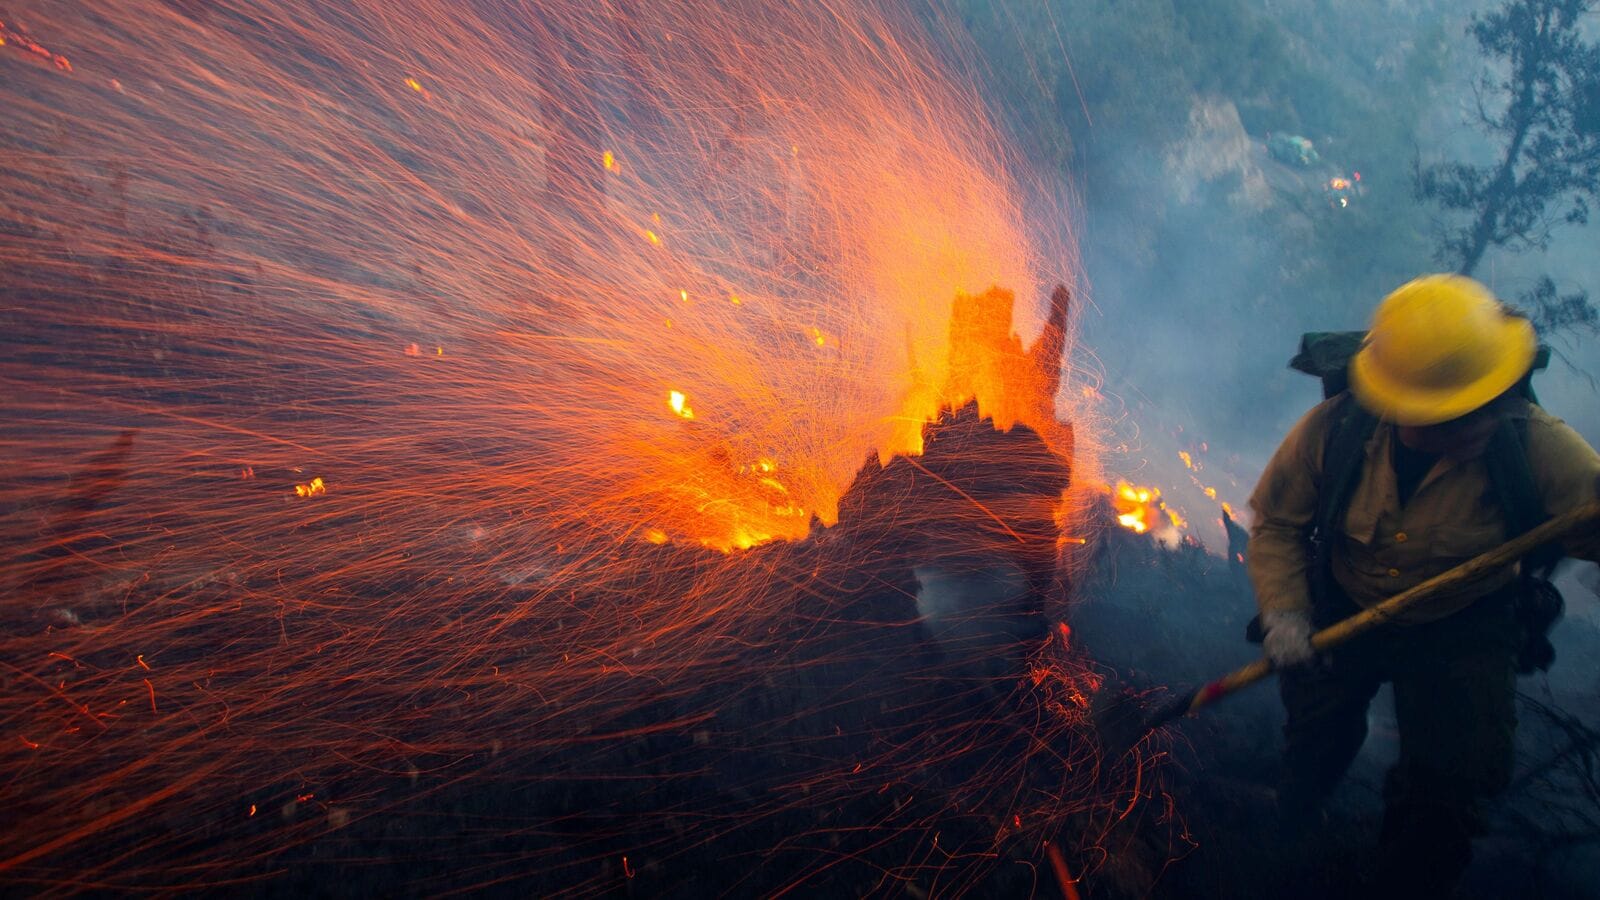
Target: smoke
column 1207, row 258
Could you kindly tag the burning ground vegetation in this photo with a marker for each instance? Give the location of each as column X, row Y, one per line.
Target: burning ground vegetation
column 892, row 705
column 509, row 448
column 903, row 709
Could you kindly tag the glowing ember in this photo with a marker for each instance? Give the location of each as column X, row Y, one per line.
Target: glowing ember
column 679, row 404
column 22, row 40
column 1138, row 509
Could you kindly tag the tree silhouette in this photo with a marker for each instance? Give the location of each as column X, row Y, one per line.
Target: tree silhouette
column 1543, row 105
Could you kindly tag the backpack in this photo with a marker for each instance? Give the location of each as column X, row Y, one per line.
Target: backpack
column 1326, row 355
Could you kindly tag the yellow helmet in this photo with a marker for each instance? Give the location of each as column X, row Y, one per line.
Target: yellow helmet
column 1439, row 347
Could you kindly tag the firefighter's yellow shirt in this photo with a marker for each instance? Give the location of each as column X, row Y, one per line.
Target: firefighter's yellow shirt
column 1384, row 549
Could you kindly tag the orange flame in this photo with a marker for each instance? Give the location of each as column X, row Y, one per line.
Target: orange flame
column 1137, row 508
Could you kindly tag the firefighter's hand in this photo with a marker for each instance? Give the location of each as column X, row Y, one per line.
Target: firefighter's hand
column 1287, row 642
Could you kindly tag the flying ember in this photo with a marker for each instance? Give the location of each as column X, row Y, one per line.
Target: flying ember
column 267, row 551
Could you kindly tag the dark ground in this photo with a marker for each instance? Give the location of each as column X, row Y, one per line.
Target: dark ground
column 848, row 748
column 1177, row 616
column 855, row 749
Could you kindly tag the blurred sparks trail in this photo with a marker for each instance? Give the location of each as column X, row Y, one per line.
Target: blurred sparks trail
column 403, row 398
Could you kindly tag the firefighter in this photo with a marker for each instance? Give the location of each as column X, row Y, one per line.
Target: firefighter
column 1435, row 454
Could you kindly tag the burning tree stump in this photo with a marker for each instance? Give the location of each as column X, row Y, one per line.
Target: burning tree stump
column 909, row 709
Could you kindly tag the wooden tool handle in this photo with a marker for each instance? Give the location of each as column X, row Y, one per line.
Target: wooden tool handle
column 1368, row 619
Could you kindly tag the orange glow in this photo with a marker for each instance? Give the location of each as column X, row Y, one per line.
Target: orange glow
column 230, row 270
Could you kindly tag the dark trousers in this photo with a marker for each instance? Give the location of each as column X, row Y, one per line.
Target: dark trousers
column 1454, row 688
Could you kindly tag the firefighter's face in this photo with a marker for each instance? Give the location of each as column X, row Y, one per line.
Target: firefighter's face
column 1463, row 438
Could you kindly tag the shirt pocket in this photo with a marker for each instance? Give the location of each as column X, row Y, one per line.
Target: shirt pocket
column 1361, row 524
column 1362, row 547
column 1453, row 543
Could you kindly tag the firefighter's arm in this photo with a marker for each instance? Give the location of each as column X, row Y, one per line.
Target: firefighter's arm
column 1284, row 503
column 1567, row 472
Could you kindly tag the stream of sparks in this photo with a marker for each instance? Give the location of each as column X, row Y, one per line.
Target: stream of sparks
column 372, row 369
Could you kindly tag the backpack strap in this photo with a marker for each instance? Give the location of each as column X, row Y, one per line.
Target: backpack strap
column 1344, row 454
column 1538, row 603
column 1511, row 474
column 1344, row 450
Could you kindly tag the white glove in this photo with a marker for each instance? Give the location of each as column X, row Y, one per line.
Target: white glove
column 1287, row 642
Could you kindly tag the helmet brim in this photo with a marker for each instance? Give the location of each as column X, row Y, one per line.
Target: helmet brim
column 1409, row 405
